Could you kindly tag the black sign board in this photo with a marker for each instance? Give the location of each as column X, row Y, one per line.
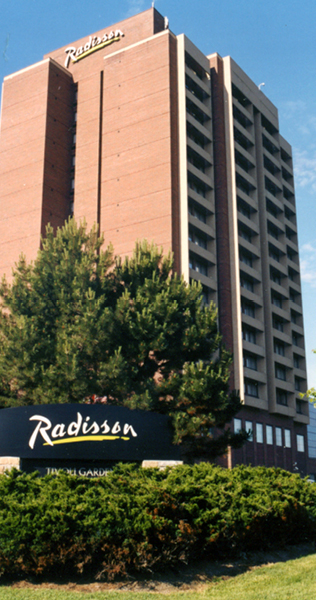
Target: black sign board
column 83, row 436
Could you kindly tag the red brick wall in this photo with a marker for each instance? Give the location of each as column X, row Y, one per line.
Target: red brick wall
column 221, row 204
column 175, row 155
column 34, row 152
column 123, row 172
column 87, row 148
column 272, row 455
column 58, row 144
column 136, row 190
column 135, row 29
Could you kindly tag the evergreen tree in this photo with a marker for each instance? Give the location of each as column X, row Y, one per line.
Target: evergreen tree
column 78, row 322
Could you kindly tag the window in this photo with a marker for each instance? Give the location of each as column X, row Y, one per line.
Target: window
column 274, row 253
column 247, row 284
column 205, row 296
column 293, row 275
column 291, row 254
column 269, row 145
column 287, row 176
column 296, row 361
column 276, row 300
column 273, row 231
column 248, row 309
column 197, row 186
column 289, row 214
column 198, row 266
column 281, row 397
column 249, row 429
column 268, row 126
column 270, row 166
column 245, row 234
column 242, row 140
column 249, row 334
column 241, row 118
column 240, row 96
column 300, row 443
column 299, row 407
column 196, row 67
column 294, row 316
column 280, row 372
column 251, row 388
column 297, row 382
column 287, row 438
column 197, row 161
column 277, row 324
column 195, row 89
column 244, row 208
column 279, row 348
column 272, row 208
column 288, row 194
column 196, row 112
column 269, row 435
column 243, row 162
column 246, row 258
column 237, row 425
column 198, row 214
column 196, row 136
column 250, row 361
column 271, row 187
column 275, row 276
column 197, row 239
column 294, row 296
column 278, row 436
column 259, row 433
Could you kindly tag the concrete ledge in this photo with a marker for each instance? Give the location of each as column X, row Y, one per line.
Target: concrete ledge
column 9, row 462
column 160, row 464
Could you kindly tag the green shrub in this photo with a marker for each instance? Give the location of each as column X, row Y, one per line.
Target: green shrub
column 138, row 520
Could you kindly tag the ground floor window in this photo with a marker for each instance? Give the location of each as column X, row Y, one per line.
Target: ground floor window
column 287, row 438
column 300, row 443
column 269, row 434
column 259, row 433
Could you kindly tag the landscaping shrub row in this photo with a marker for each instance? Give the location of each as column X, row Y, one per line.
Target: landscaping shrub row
column 144, row 519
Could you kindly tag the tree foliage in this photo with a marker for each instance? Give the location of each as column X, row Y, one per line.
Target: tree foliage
column 311, row 393
column 78, row 322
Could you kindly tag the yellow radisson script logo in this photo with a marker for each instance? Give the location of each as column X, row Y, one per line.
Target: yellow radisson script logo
column 94, row 43
column 78, row 431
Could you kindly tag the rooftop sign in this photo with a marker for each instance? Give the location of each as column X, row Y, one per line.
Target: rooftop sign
column 92, row 45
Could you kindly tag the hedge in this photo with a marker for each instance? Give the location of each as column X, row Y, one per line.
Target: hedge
column 137, row 519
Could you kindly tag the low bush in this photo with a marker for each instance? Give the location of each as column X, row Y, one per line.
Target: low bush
column 144, row 519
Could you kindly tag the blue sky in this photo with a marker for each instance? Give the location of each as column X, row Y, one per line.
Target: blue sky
column 272, row 40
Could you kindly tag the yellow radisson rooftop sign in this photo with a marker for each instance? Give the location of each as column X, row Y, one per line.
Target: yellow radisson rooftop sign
column 92, row 45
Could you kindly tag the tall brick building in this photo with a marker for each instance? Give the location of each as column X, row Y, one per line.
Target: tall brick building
column 136, row 129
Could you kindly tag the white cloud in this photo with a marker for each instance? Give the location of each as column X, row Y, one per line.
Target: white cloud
column 305, row 167
column 301, row 115
column 303, row 127
column 293, row 108
column 136, row 6
column 308, row 263
column 308, row 248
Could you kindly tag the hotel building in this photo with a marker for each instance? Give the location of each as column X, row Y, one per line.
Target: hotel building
column 136, row 129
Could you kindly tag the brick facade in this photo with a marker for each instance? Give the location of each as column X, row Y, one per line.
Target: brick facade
column 149, row 138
